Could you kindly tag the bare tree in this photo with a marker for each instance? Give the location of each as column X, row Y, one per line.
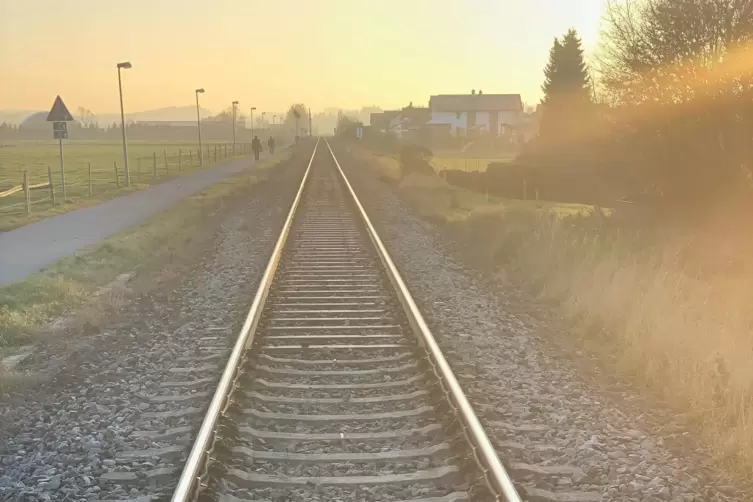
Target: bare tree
column 678, row 75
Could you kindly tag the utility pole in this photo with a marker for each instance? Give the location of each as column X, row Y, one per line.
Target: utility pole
column 252, row 121
column 235, row 103
column 198, row 123
column 126, row 65
column 309, row 121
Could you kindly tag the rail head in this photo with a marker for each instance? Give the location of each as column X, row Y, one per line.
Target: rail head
column 497, row 477
column 187, row 484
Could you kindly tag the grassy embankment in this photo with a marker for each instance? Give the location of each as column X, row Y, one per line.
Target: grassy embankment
column 672, row 310
column 454, row 161
column 36, row 156
column 154, row 251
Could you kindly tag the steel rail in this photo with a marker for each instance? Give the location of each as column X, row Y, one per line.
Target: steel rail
column 480, row 440
column 190, row 474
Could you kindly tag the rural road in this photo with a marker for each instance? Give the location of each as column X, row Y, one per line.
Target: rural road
column 30, row 248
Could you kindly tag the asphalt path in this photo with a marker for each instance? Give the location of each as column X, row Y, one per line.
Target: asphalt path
column 29, row 249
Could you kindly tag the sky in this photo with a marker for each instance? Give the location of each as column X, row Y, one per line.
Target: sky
column 270, row 54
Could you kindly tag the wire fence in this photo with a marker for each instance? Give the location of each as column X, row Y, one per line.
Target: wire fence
column 86, row 180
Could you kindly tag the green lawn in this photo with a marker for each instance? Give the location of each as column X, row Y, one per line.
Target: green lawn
column 102, row 156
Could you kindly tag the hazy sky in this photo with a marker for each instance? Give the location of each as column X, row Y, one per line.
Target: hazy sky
column 271, row 53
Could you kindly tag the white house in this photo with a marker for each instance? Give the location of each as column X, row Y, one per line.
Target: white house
column 495, row 114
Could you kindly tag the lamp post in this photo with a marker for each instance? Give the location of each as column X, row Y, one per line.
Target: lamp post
column 262, row 119
column 125, row 65
column 274, row 120
column 235, row 103
column 252, row 121
column 198, row 123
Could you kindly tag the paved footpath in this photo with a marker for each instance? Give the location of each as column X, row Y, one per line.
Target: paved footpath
column 30, row 248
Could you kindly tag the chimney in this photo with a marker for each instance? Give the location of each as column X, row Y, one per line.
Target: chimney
column 473, row 92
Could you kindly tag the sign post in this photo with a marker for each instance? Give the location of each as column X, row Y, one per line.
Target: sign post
column 59, row 116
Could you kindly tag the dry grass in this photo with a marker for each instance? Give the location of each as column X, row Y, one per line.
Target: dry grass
column 154, row 251
column 673, row 310
column 469, row 164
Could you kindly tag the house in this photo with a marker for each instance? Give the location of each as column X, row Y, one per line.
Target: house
column 381, row 121
column 473, row 114
column 409, row 120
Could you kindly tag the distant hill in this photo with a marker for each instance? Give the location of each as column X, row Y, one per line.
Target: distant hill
column 172, row 113
column 15, row 116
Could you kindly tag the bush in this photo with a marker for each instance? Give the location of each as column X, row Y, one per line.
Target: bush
column 415, row 159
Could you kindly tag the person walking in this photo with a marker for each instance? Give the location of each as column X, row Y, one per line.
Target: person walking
column 271, row 144
column 256, row 147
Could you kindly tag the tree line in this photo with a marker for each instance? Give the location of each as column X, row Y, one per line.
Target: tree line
column 669, row 99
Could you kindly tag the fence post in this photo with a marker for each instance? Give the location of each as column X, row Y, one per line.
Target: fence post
column 138, row 172
column 167, row 167
column 91, row 192
column 215, row 154
column 154, row 165
column 180, row 158
column 190, row 158
column 117, row 179
column 209, row 157
column 52, row 188
column 27, row 193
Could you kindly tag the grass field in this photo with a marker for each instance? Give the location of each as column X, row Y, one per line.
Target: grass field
column 467, row 163
column 170, row 158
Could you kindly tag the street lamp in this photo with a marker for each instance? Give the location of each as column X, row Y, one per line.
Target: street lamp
column 274, row 120
column 198, row 123
column 235, row 103
column 262, row 119
column 125, row 65
column 252, row 121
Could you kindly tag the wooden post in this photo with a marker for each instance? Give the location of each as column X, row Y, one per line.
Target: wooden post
column 117, row 178
column 209, row 157
column 27, row 193
column 190, row 158
column 52, row 188
column 215, row 154
column 138, row 168
column 62, row 170
column 167, row 167
column 154, row 165
column 180, row 158
column 91, row 192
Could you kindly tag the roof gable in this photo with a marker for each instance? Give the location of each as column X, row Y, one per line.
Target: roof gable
column 476, row 102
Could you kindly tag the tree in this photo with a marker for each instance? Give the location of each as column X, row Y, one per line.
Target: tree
column 85, row 116
column 297, row 118
column 677, row 74
column 567, row 106
column 346, row 126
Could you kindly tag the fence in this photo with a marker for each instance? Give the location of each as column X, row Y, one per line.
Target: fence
column 85, row 180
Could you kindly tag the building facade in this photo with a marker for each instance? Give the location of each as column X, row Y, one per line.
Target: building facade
column 477, row 114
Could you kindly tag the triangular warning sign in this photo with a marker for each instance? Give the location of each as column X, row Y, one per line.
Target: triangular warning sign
column 59, row 112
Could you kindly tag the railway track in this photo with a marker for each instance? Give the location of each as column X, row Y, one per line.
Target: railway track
column 335, row 388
